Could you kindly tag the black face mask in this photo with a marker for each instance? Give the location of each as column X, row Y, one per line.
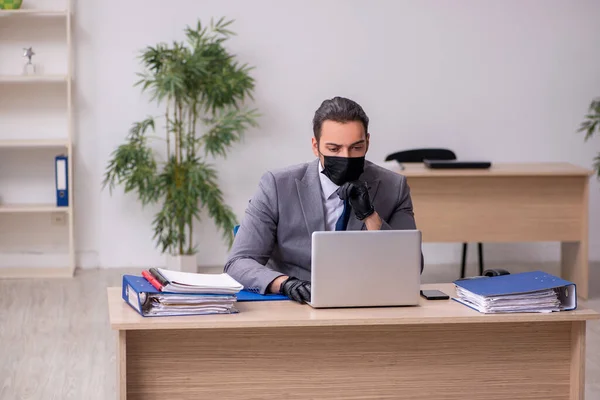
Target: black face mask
column 343, row 169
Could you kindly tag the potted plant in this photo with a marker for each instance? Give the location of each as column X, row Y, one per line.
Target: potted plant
column 590, row 125
column 201, row 89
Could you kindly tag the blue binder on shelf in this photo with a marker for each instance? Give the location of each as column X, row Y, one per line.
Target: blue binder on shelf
column 521, row 287
column 136, row 289
column 61, row 173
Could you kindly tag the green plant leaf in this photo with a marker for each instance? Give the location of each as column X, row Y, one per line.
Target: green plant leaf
column 590, row 124
column 133, row 164
column 203, row 181
column 225, row 129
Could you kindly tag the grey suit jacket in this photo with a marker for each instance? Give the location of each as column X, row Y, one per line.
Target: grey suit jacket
column 274, row 237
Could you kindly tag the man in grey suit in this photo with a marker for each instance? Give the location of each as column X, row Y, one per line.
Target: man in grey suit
column 337, row 191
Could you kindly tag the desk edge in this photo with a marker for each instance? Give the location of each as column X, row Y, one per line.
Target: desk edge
column 585, row 315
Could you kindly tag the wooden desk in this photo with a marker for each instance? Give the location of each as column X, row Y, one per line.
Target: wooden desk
column 544, row 202
column 440, row 349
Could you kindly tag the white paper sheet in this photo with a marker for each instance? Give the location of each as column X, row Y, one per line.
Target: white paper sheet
column 186, row 282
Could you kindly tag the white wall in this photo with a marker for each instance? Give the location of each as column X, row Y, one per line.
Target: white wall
column 505, row 81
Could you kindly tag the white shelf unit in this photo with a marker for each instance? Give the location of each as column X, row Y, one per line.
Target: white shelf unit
column 64, row 145
column 34, row 13
column 33, row 78
column 32, row 208
column 34, row 143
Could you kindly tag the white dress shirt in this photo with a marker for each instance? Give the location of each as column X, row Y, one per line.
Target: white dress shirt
column 333, row 206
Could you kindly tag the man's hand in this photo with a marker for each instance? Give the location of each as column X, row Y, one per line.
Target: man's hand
column 357, row 193
column 296, row 290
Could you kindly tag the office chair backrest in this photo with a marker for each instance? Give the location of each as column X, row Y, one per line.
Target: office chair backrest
column 418, row 155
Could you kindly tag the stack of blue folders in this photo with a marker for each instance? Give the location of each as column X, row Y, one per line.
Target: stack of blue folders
column 535, row 291
column 187, row 294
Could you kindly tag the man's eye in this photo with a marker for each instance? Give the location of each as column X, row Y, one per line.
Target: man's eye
column 358, row 147
column 334, row 149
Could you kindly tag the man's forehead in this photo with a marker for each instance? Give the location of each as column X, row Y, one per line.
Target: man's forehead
column 345, row 144
column 342, row 132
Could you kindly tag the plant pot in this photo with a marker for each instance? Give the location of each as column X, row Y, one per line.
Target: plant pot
column 183, row 263
column 10, row 4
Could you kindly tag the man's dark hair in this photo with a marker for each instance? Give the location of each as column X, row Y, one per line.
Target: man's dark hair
column 339, row 109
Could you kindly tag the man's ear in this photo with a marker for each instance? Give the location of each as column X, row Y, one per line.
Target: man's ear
column 315, row 147
column 368, row 141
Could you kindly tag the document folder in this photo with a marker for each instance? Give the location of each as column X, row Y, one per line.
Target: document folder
column 534, row 291
column 245, row 295
column 137, row 292
column 149, row 301
column 61, row 181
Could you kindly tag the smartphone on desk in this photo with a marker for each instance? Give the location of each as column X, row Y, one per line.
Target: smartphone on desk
column 434, row 295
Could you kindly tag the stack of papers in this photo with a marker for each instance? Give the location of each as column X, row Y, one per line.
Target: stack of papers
column 180, row 293
column 542, row 301
column 187, row 282
column 188, row 304
column 535, row 291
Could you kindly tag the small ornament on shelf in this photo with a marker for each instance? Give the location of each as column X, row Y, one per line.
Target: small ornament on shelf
column 29, row 68
column 10, row 4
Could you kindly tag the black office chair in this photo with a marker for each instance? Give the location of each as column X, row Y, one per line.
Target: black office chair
column 418, row 155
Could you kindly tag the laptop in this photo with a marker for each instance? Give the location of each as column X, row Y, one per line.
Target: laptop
column 365, row 268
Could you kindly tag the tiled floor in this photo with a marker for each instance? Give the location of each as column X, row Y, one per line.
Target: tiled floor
column 55, row 341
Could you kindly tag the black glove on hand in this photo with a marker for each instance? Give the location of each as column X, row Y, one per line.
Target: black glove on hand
column 296, row 290
column 357, row 193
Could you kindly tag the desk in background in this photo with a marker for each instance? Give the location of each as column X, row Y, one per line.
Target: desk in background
column 538, row 202
column 281, row 349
